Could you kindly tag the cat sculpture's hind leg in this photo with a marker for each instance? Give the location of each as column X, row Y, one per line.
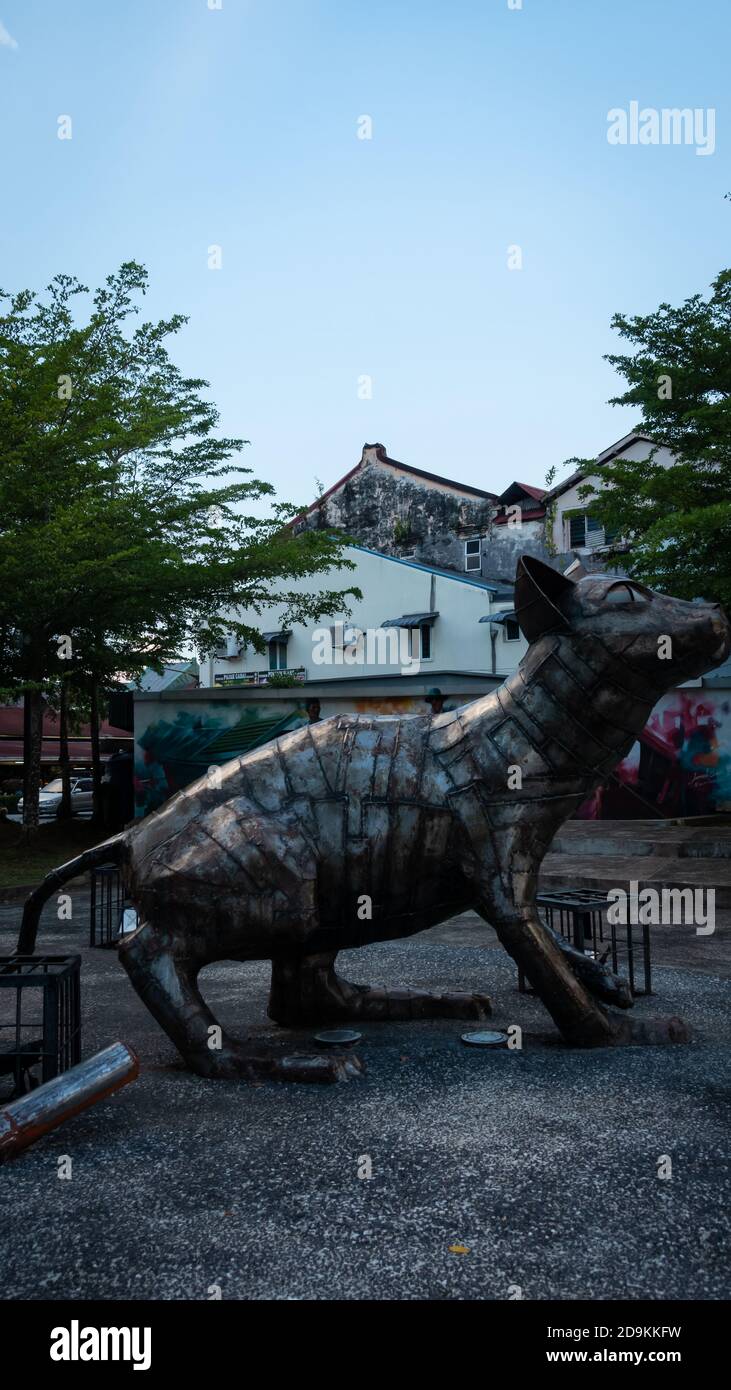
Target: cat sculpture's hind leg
column 306, row 990
column 166, row 981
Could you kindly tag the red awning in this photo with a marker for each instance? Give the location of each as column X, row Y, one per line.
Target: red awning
column 11, row 737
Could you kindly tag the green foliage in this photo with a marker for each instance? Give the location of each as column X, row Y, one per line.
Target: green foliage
column 126, row 523
column 551, row 511
column 677, row 519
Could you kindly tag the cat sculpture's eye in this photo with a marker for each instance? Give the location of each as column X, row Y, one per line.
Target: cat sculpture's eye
column 623, row 593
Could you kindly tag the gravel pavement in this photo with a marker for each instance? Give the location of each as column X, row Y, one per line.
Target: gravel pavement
column 539, row 1165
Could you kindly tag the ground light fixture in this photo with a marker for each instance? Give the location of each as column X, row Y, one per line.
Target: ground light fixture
column 338, row 1037
column 485, row 1039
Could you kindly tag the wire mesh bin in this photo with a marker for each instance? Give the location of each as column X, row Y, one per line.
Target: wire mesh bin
column 579, row 918
column 107, row 905
column 40, row 1017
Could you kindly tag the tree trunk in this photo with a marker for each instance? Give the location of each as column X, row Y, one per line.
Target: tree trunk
column 32, row 747
column 65, row 810
column 96, row 759
column 27, row 742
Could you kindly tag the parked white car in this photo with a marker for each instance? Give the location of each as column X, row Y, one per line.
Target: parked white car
column 49, row 797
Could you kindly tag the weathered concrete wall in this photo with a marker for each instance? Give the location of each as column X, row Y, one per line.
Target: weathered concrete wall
column 396, row 513
column 388, row 509
column 503, row 546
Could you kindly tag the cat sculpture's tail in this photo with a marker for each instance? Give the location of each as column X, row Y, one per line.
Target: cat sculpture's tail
column 109, row 852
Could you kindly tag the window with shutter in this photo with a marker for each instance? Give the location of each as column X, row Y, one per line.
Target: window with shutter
column 577, row 530
column 585, row 530
column 594, row 532
column 472, row 554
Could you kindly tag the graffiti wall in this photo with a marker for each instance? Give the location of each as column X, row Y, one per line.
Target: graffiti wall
column 177, row 742
column 680, row 766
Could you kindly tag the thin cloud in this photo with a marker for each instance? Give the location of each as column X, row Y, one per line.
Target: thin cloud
column 6, row 39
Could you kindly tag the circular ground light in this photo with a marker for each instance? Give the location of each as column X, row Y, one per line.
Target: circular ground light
column 485, row 1039
column 338, row 1037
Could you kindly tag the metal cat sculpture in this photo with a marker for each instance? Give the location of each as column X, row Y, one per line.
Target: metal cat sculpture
column 364, row 828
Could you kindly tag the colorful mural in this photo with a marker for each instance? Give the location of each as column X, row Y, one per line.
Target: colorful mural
column 405, row 704
column 171, row 752
column 175, row 749
column 681, row 765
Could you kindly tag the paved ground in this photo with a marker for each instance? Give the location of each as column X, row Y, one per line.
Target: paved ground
column 656, row 854
column 542, row 1162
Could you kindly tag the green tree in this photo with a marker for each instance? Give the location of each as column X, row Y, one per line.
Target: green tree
column 127, row 529
column 677, row 519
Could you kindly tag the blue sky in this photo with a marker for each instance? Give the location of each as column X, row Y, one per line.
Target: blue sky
column 385, row 257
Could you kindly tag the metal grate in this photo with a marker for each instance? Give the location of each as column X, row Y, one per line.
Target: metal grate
column 579, row 918
column 107, row 905
column 40, row 1017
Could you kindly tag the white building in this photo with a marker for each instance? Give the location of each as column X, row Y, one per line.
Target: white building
column 416, row 625
column 570, row 525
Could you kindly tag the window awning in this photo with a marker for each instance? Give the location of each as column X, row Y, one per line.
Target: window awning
column 411, row 620
column 498, row 617
column 277, row 636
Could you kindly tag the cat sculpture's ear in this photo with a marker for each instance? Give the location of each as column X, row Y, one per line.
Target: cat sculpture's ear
column 539, row 591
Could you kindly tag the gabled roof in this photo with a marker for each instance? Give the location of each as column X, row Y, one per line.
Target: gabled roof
column 605, row 457
column 383, row 457
column 430, row 477
column 622, row 444
column 516, row 490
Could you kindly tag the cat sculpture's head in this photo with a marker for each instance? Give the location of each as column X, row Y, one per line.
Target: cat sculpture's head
column 665, row 640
